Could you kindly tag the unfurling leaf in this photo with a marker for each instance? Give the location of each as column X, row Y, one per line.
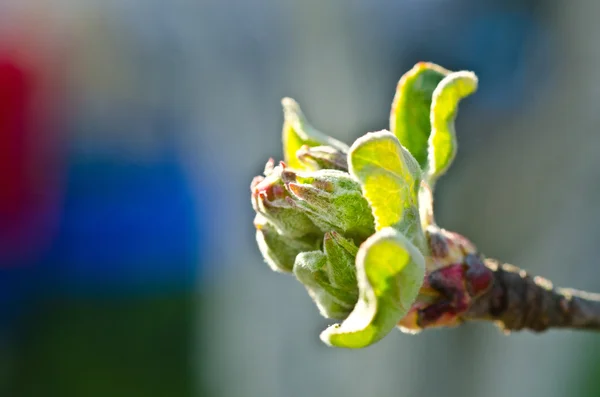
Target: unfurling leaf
column 310, row 269
column 411, row 109
column 323, row 157
column 280, row 251
column 388, row 174
column 442, row 141
column 390, row 272
column 332, row 200
column 341, row 255
column 297, row 132
column 271, row 199
column 325, row 200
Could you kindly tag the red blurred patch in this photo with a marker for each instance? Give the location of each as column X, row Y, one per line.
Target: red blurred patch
column 30, row 148
column 15, row 109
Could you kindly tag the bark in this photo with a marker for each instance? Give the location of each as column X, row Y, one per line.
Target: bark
column 519, row 301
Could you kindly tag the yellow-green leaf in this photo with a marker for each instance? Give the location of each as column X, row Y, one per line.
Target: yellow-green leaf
column 410, row 115
column 388, row 174
column 442, row 141
column 390, row 272
column 297, row 132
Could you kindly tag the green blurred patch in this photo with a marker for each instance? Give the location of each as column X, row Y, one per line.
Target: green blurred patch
column 109, row 347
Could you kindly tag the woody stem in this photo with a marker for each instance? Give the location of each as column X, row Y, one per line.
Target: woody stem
column 518, row 301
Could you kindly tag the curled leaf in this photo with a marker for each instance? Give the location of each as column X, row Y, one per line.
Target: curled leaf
column 442, row 141
column 332, row 200
column 388, row 174
column 323, row 157
column 390, row 272
column 341, row 256
column 310, row 269
column 410, row 115
column 279, row 251
column 271, row 199
column 297, row 132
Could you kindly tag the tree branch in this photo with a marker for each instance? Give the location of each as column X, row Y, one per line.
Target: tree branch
column 518, row 301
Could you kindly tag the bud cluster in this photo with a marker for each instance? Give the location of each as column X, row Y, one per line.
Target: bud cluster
column 355, row 224
column 309, row 223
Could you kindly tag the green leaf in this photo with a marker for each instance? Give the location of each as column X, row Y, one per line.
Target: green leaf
column 388, row 174
column 442, row 141
column 310, row 269
column 332, row 200
column 297, row 132
column 272, row 201
column 390, row 272
column 410, row 115
column 341, row 257
column 323, row 157
column 280, row 251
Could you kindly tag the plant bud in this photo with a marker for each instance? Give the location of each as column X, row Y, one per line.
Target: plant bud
column 310, row 269
column 333, row 200
column 446, row 248
column 323, row 157
column 271, row 199
column 341, row 257
column 280, row 251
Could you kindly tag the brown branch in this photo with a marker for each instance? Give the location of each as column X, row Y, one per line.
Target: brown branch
column 518, row 301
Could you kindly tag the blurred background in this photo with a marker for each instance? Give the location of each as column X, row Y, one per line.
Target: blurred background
column 130, row 131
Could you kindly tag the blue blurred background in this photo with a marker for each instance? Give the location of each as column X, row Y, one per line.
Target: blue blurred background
column 130, row 131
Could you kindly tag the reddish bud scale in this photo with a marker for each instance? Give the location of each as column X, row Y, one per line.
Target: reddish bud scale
column 456, row 275
column 478, row 277
column 446, row 248
column 456, row 286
